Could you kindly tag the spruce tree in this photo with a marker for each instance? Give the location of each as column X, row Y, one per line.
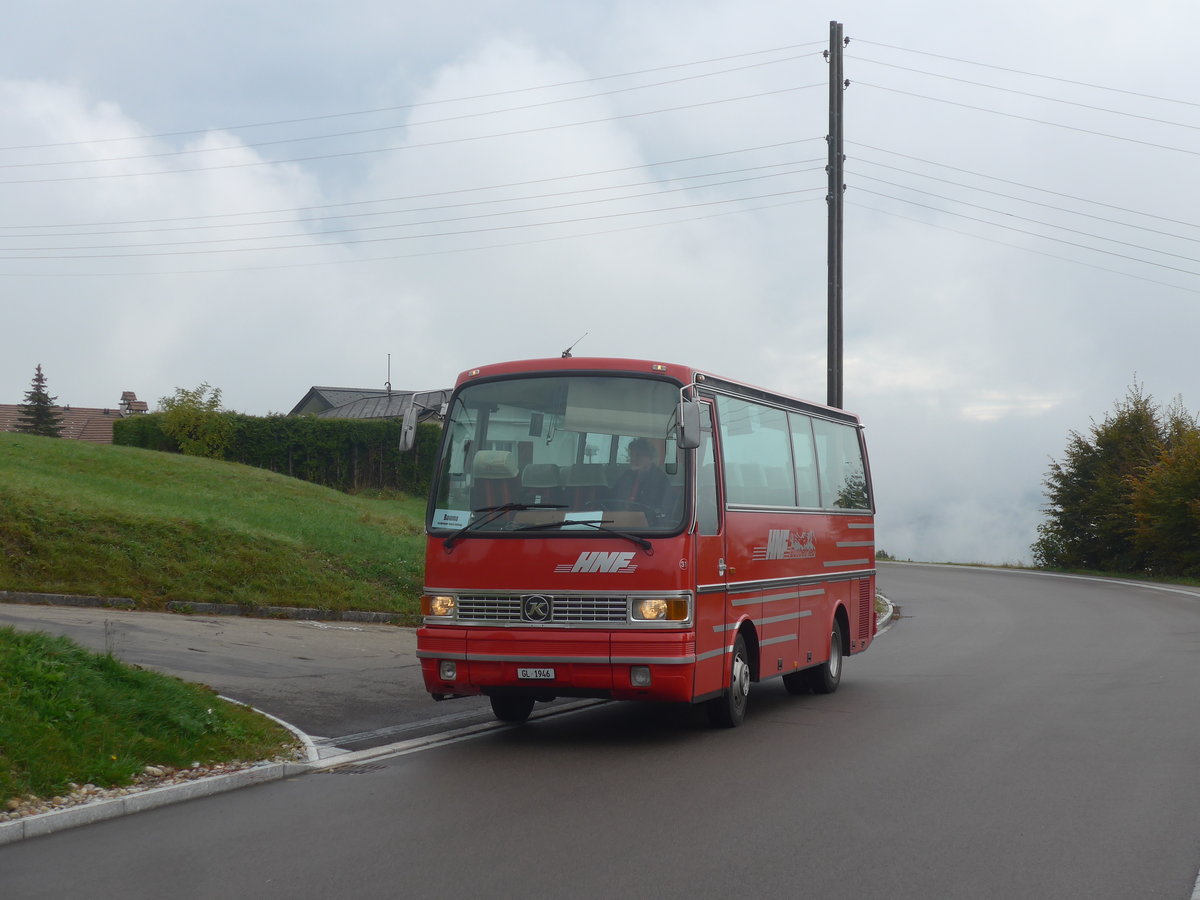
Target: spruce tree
column 38, row 413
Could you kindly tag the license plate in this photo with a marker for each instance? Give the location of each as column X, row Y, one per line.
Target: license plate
column 535, row 674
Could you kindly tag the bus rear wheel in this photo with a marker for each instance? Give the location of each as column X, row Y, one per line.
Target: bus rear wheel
column 510, row 708
column 728, row 710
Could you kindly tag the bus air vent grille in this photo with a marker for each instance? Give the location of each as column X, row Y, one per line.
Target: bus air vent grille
column 865, row 603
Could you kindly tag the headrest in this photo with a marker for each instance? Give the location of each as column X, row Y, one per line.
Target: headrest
column 494, row 464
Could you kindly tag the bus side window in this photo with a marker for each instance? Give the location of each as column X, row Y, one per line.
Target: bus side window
column 754, row 442
column 808, row 491
column 840, row 461
column 707, row 508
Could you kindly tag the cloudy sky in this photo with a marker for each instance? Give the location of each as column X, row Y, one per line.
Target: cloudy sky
column 267, row 196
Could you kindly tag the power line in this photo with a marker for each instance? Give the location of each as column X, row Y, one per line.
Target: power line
column 1011, row 215
column 409, row 106
column 1073, row 212
column 415, row 255
column 993, row 87
column 1022, row 247
column 309, row 246
column 971, row 62
column 446, row 193
column 357, row 229
column 423, row 145
column 394, row 212
column 996, row 112
column 1027, row 186
column 365, row 131
column 1044, row 237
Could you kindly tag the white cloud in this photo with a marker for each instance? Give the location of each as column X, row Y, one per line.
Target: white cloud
column 969, row 359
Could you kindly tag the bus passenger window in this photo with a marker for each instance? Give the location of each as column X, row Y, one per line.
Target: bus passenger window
column 840, row 461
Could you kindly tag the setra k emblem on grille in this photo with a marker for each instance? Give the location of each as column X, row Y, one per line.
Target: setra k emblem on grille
column 535, row 608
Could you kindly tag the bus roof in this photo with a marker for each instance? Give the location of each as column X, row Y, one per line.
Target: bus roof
column 681, row 374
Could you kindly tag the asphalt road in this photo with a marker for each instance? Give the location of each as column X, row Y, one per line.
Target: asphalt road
column 351, row 686
column 1011, row 736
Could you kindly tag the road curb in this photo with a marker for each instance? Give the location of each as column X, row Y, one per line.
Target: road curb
column 98, row 811
column 152, row 798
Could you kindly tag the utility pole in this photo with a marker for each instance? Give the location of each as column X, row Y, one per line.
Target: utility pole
column 834, row 199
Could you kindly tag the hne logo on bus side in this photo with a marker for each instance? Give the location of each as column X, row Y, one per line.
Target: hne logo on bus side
column 600, row 561
column 784, row 544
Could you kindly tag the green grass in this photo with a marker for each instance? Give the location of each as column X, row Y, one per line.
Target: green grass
column 112, row 521
column 69, row 715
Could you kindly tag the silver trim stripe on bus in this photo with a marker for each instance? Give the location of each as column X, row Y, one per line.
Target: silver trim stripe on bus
column 742, row 587
column 583, row 660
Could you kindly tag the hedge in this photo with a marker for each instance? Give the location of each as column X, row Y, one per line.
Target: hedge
column 346, row 454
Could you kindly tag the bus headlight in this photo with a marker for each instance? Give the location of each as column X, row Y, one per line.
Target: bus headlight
column 660, row 609
column 437, row 605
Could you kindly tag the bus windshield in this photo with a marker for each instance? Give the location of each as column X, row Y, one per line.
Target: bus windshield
column 569, row 454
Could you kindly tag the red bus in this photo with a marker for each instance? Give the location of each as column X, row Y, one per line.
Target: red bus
column 640, row 530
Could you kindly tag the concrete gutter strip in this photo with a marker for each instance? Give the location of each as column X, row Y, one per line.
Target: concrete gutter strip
column 100, row 810
column 86, row 814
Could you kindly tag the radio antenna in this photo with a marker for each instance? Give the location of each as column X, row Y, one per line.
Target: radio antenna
column 566, row 354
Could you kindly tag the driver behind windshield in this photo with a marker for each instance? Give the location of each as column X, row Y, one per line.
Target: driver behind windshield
column 643, row 484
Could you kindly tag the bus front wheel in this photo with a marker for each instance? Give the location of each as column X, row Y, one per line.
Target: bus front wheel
column 508, row 708
column 728, row 710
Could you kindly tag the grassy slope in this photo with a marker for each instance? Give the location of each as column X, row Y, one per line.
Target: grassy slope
column 118, row 521
column 68, row 715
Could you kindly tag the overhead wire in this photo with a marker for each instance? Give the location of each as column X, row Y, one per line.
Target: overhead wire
column 421, row 145
column 195, row 151
column 364, row 228
column 972, row 62
column 1033, row 233
column 1029, row 94
column 1038, row 203
column 1023, row 247
column 410, row 106
column 1010, row 115
column 1030, row 187
column 306, row 246
column 407, row 197
column 1028, row 219
column 446, row 206
column 415, row 255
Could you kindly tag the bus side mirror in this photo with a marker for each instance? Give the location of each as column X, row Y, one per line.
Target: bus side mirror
column 688, row 417
column 408, row 430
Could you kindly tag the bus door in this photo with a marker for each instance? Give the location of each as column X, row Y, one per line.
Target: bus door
column 710, row 564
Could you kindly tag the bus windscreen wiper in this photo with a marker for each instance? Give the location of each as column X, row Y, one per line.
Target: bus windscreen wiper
column 493, row 513
column 599, row 526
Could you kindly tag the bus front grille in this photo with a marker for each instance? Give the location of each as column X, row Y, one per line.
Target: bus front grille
column 563, row 610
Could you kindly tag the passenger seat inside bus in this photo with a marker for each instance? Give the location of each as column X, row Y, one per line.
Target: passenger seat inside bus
column 494, row 480
column 539, row 483
column 586, row 485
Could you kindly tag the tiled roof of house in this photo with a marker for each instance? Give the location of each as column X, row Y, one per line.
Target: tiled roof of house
column 81, row 423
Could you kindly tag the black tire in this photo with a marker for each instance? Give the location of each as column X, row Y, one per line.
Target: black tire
column 798, row 682
column 825, row 678
column 728, row 710
column 511, row 708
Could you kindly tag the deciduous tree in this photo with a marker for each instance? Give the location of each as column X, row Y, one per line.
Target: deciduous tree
column 195, row 420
